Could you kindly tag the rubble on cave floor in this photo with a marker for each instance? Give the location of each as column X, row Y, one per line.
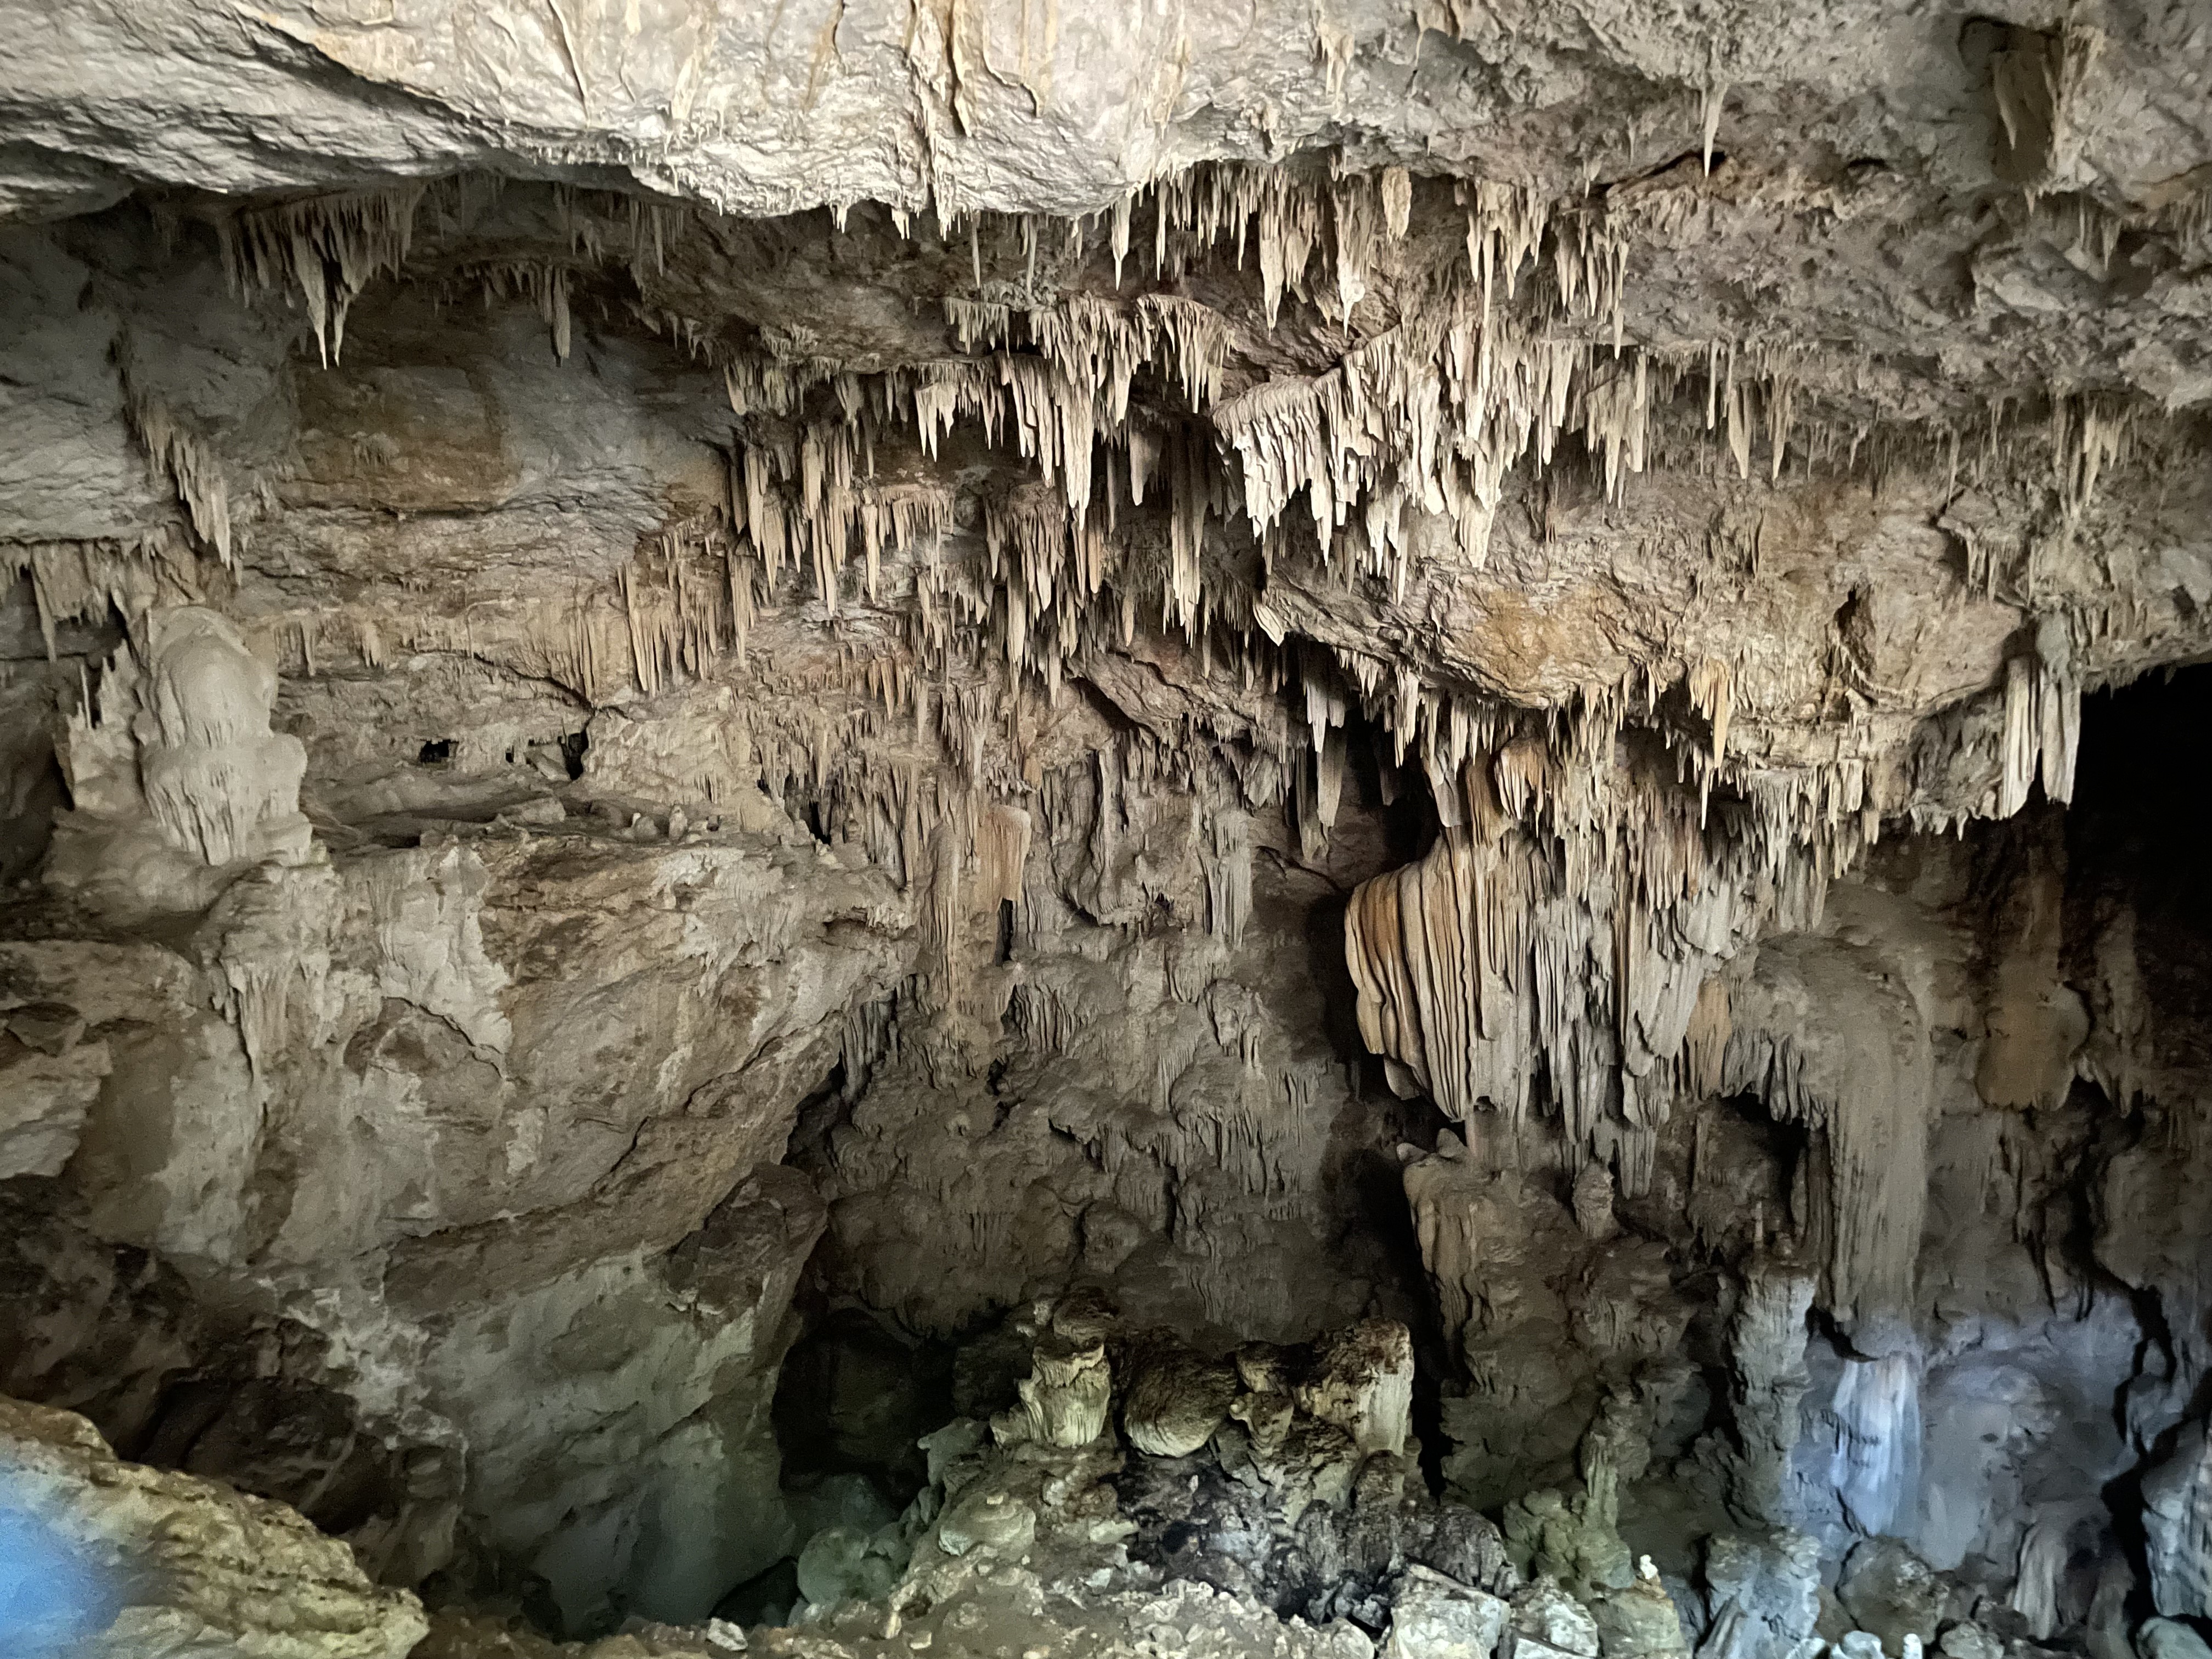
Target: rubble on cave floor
column 1288, row 1519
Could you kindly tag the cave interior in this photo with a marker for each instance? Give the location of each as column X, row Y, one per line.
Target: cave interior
column 1348, row 831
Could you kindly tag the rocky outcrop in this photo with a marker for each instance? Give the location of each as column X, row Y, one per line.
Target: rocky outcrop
column 108, row 1559
column 1107, row 1548
column 2178, row 1527
column 523, row 1225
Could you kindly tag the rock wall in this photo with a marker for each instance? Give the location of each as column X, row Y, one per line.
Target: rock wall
column 109, row 1558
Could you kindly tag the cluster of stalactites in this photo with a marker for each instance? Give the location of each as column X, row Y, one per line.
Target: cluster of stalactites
column 1554, row 948
column 542, row 283
column 1053, row 382
column 1427, row 416
column 810, row 486
column 810, row 494
column 1432, row 416
column 88, row 581
column 327, row 248
column 2042, row 720
column 1495, row 365
column 202, row 484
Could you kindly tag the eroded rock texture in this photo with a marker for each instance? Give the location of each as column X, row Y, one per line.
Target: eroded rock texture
column 1289, row 828
column 107, row 1558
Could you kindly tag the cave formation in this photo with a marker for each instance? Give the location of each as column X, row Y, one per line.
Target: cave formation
column 1302, row 829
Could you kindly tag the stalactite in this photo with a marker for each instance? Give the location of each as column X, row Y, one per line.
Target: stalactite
column 199, row 478
column 84, row 581
column 2042, row 722
column 1002, row 847
column 543, row 284
column 329, row 248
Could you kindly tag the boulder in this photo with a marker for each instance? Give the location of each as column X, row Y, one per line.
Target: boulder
column 1434, row 1617
column 112, row 1560
column 1888, row 1591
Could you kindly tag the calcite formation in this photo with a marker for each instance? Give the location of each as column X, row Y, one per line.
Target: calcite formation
column 108, row 1559
column 1308, row 827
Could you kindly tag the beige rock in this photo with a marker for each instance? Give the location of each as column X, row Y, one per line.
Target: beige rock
column 1064, row 1399
column 1174, row 1399
column 1362, row 1380
column 169, row 1562
column 2168, row 1638
column 989, row 1518
column 44, row 1094
column 1548, row 1614
column 1638, row 1620
column 2177, row 1523
column 1300, row 1460
column 178, row 782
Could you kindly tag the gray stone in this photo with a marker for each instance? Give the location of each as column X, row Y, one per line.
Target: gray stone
column 1434, row 1617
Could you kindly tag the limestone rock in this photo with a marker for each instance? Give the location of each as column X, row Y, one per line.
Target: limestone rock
column 1576, row 1543
column 1769, row 1378
column 1764, row 1593
column 1891, row 1592
column 988, row 1518
column 1263, row 1368
column 1064, row 1399
column 1546, row 1613
column 1362, row 1380
column 1175, row 1399
column 1436, row 1617
column 845, row 1564
column 178, row 782
column 119, row 1560
column 951, row 1446
column 1300, row 1460
column 1968, row 1640
column 47, row 1086
column 2169, row 1638
column 2177, row 1526
column 1639, row 1618
column 1593, row 1202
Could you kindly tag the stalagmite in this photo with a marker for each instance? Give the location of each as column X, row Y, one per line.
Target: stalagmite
column 1363, row 1383
column 1176, row 1401
column 174, row 772
column 1767, row 1341
column 1064, row 1399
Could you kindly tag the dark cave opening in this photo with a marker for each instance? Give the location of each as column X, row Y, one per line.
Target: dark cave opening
column 2142, row 795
